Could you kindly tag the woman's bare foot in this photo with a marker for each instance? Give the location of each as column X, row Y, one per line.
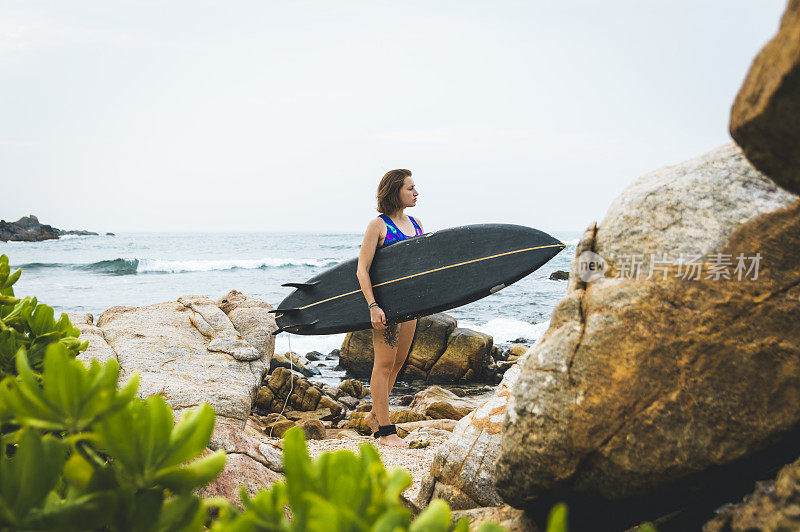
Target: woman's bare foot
column 371, row 421
column 393, row 440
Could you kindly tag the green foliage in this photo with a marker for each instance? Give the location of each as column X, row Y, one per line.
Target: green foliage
column 557, row 519
column 27, row 324
column 78, row 453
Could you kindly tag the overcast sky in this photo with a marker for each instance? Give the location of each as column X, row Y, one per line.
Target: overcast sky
column 282, row 116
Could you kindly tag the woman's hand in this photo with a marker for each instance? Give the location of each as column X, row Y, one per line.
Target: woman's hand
column 378, row 318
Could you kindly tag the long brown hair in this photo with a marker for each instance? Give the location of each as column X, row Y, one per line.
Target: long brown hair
column 388, row 190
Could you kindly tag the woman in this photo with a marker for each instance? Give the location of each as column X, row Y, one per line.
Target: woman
column 391, row 341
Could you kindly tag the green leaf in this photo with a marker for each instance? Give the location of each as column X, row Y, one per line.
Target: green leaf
column 28, row 476
column 78, row 472
column 198, row 473
column 485, row 526
column 179, row 514
column 391, row 520
column 557, row 518
column 191, row 435
column 434, row 518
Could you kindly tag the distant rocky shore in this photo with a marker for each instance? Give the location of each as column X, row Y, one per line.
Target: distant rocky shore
column 28, row 229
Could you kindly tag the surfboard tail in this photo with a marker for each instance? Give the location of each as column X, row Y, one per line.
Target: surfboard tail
column 295, row 327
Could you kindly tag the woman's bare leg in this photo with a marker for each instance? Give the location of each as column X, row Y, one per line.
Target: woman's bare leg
column 379, row 384
column 405, row 337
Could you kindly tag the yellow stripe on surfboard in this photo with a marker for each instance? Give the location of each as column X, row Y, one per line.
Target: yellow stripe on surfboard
column 427, row 272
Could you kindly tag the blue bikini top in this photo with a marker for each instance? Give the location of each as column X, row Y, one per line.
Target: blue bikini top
column 393, row 234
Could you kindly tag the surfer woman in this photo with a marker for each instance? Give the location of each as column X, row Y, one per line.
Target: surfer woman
column 391, row 341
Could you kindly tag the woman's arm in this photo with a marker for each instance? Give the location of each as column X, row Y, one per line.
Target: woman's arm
column 365, row 256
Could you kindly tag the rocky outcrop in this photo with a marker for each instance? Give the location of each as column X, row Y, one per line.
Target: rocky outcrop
column 764, row 116
column 284, row 390
column 28, row 229
column 462, row 472
column 190, row 351
column 440, row 352
column 651, row 381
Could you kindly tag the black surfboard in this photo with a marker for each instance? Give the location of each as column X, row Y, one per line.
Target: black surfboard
column 421, row 275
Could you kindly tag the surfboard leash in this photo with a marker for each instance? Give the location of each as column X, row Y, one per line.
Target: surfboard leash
column 291, row 381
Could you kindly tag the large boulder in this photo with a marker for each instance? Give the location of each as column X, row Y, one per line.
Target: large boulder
column 462, row 472
column 440, row 352
column 464, row 359
column 764, row 118
column 171, row 346
column 190, row 352
column 650, row 386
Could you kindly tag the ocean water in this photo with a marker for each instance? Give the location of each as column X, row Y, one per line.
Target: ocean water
column 93, row 273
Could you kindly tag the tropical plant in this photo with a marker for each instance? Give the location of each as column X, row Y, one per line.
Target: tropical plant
column 26, row 323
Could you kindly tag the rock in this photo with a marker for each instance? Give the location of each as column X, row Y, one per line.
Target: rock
column 406, row 400
column 429, row 343
column 461, row 392
column 251, row 318
column 238, row 348
column 429, row 432
column 323, row 414
column 314, row 356
column 506, row 516
column 646, row 387
column 172, row 356
column 98, row 346
column 445, row 410
column 364, row 407
column 464, row 359
column 559, row 275
column 773, row 505
column 290, row 363
column 462, row 472
column 187, row 352
column 517, row 350
column 443, row 424
column 405, row 416
column 417, row 443
column 357, row 423
column 240, row 470
column 435, row 394
column 350, row 402
column 26, row 229
column 347, row 434
column 110, row 234
column 284, row 390
column 764, row 118
column 81, row 232
column 230, row 437
column 277, row 429
column 503, row 366
column 353, row 388
column 313, row 428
